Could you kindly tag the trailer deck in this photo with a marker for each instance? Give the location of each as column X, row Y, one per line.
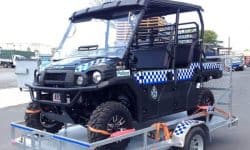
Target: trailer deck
column 75, row 137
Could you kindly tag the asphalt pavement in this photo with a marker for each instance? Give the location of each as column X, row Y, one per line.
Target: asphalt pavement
column 7, row 78
column 222, row 139
column 236, row 138
column 8, row 115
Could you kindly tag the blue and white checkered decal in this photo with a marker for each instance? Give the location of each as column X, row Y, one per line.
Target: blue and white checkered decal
column 160, row 76
column 211, row 66
column 86, row 66
column 152, row 77
column 186, row 74
column 183, row 126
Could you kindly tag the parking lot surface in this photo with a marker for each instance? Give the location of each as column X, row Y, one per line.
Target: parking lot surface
column 7, row 78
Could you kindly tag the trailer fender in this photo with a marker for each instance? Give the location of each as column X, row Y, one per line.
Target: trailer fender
column 182, row 129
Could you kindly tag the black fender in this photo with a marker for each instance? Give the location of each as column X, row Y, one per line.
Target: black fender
column 134, row 89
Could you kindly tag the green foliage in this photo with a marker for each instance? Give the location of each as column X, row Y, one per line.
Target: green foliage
column 210, row 36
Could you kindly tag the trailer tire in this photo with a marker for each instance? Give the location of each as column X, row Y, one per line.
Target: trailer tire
column 102, row 119
column 204, row 97
column 33, row 120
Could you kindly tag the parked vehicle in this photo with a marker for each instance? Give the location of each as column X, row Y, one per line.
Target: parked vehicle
column 123, row 76
column 212, row 53
column 8, row 57
column 238, row 63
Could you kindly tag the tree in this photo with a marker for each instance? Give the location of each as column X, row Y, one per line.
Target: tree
column 210, row 36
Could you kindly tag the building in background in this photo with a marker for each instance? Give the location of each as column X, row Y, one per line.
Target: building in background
column 247, row 57
column 39, row 48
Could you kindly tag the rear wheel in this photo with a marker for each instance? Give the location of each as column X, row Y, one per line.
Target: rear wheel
column 110, row 117
column 35, row 119
column 205, row 97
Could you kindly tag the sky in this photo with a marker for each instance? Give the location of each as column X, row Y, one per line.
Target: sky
column 45, row 21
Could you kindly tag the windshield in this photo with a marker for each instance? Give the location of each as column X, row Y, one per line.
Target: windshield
column 237, row 59
column 99, row 37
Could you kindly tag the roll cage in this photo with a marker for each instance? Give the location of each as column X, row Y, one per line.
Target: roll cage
column 146, row 9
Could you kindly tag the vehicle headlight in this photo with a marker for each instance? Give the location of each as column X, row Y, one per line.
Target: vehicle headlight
column 79, row 80
column 97, row 77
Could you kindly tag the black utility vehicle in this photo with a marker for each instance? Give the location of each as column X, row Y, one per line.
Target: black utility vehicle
column 121, row 72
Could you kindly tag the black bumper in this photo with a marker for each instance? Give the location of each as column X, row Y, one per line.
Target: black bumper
column 74, row 93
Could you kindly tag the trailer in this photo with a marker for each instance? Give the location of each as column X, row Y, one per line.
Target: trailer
column 176, row 131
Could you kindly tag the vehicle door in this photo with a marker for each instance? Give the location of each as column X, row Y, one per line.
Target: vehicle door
column 156, row 79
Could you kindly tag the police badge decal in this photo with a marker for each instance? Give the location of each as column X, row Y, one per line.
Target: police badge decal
column 154, row 93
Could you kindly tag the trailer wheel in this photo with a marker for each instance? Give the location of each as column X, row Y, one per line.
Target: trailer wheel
column 111, row 117
column 205, row 97
column 195, row 140
column 37, row 121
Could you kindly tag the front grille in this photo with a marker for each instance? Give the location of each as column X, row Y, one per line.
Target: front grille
column 55, row 76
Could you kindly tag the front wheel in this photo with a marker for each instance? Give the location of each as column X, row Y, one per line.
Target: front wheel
column 110, row 117
column 35, row 119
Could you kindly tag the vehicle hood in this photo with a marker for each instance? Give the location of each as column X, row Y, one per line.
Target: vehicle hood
column 237, row 62
column 80, row 64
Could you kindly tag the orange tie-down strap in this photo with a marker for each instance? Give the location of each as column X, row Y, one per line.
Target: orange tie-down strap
column 158, row 126
column 166, row 132
column 115, row 134
column 28, row 111
column 226, row 114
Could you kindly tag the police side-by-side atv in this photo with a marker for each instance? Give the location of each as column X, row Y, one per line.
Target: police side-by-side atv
column 121, row 69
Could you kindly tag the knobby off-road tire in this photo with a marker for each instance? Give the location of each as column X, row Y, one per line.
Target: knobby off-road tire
column 111, row 117
column 33, row 120
column 205, row 97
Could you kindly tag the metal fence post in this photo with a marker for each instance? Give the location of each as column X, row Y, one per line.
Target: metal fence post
column 145, row 141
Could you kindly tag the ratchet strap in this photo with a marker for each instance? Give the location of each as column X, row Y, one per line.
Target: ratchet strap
column 103, row 132
column 215, row 109
column 166, row 132
column 226, row 114
column 28, row 111
column 115, row 134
